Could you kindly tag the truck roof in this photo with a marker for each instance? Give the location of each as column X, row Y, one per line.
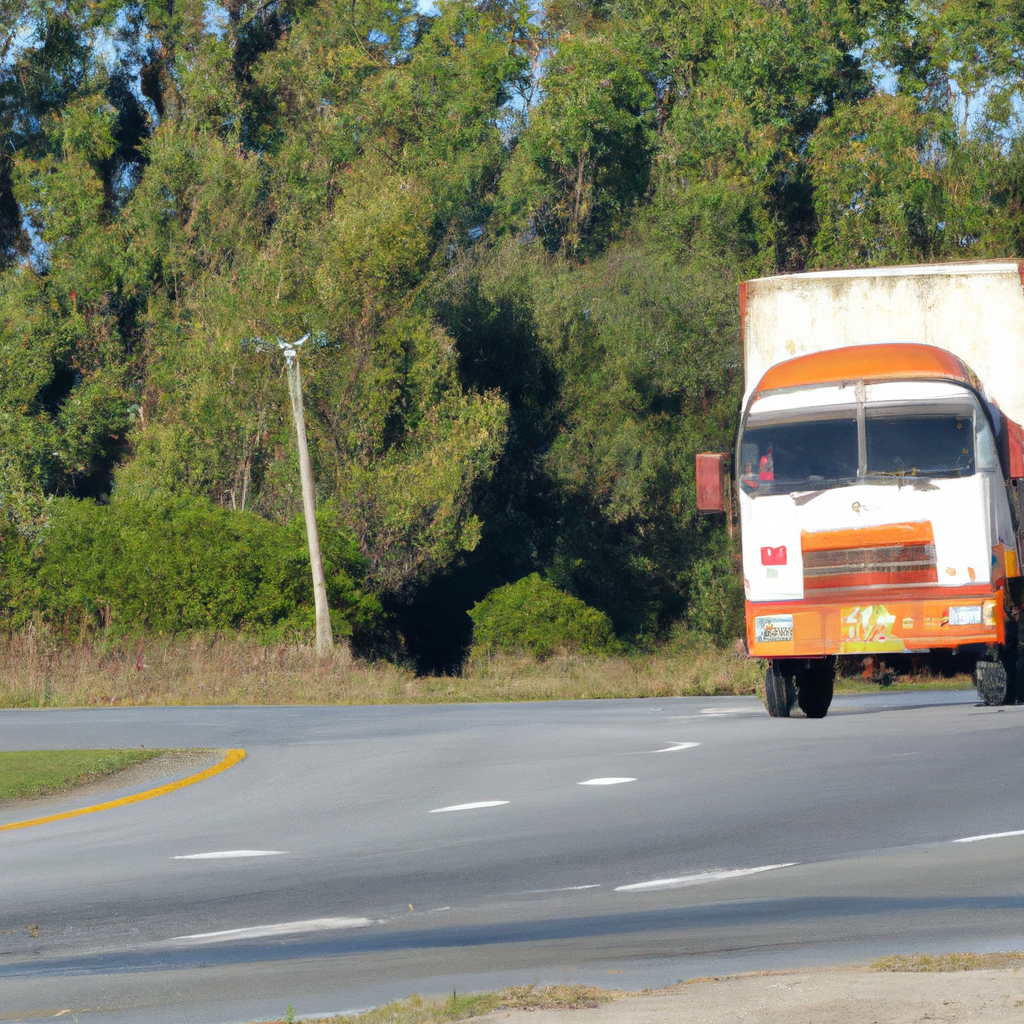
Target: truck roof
column 868, row 363
column 1008, row 265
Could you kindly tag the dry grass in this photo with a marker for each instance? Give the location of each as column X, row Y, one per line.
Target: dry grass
column 40, row 672
column 416, row 1010
column 944, row 963
column 695, row 672
column 918, row 681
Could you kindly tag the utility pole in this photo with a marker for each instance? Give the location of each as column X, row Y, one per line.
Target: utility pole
column 324, row 639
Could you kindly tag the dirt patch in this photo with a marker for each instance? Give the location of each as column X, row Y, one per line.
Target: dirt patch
column 854, row 995
column 900, row 990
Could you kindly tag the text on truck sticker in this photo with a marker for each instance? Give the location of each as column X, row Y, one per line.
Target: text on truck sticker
column 771, row 629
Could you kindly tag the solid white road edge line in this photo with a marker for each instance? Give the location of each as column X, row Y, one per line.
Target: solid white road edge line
column 707, row 876
column 468, row 807
column 319, row 924
column 675, row 746
column 222, row 854
column 604, row 782
column 991, row 835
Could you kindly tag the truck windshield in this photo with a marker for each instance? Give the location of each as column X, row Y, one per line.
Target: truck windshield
column 817, row 449
column 899, row 444
column 800, row 455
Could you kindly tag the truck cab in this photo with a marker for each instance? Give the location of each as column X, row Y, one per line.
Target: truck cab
column 873, row 511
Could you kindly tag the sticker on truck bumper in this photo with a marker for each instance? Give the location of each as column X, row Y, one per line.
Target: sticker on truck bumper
column 965, row 615
column 868, row 629
column 771, row 629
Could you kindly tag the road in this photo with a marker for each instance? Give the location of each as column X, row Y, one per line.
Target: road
column 367, row 887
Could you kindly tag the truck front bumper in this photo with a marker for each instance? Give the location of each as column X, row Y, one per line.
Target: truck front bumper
column 874, row 623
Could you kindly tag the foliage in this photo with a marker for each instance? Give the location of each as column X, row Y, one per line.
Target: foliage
column 533, row 617
column 877, row 167
column 515, row 235
column 650, row 377
column 165, row 565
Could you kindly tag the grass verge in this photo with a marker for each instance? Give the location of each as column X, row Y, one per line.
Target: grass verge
column 30, row 773
column 417, row 1010
column 942, row 963
column 233, row 670
column 40, row 672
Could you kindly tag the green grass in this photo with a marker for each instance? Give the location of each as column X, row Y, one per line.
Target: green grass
column 948, row 962
column 31, row 773
column 461, row 1006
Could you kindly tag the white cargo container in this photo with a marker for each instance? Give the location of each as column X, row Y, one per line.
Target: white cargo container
column 875, row 473
column 974, row 310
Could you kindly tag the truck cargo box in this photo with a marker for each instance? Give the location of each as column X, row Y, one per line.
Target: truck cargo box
column 973, row 309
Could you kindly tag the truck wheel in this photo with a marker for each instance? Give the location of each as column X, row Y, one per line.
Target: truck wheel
column 814, row 688
column 1013, row 659
column 779, row 690
column 992, row 683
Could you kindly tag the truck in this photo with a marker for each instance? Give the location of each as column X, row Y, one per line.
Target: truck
column 877, row 477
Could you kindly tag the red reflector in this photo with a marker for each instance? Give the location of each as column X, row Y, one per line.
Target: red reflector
column 773, row 556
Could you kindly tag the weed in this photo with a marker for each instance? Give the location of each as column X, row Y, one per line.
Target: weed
column 456, row 1007
column 948, row 962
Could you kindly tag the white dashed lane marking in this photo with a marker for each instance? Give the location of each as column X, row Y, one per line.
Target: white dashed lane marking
column 564, row 888
column 604, row 782
column 469, row 807
column 675, row 746
column 224, row 854
column 991, row 835
column 707, row 876
column 320, row 924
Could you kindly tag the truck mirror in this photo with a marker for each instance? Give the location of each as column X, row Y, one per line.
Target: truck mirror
column 712, row 468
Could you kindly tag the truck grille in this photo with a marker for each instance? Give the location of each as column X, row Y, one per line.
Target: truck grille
column 894, row 555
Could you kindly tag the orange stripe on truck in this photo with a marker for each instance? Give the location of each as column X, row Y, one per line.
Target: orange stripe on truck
column 889, row 535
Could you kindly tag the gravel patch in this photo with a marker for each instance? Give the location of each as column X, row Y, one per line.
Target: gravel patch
column 851, row 995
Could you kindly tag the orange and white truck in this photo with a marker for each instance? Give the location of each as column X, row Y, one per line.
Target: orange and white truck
column 877, row 475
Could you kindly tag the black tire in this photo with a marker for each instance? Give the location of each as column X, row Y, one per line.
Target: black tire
column 992, row 683
column 815, row 686
column 1013, row 659
column 779, row 690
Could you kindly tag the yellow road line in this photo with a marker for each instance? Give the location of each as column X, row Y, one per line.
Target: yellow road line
column 232, row 758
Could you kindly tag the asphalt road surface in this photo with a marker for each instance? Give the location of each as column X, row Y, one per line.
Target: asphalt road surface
column 393, row 850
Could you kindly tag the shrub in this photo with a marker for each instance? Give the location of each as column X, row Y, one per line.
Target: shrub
column 716, row 599
column 177, row 564
column 533, row 617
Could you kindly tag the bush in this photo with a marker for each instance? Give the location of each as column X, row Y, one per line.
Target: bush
column 716, row 599
column 180, row 564
column 533, row 617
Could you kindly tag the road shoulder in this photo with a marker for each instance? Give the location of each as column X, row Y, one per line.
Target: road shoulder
column 847, row 995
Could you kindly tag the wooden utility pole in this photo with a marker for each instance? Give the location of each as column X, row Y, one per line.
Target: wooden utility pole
column 324, row 638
